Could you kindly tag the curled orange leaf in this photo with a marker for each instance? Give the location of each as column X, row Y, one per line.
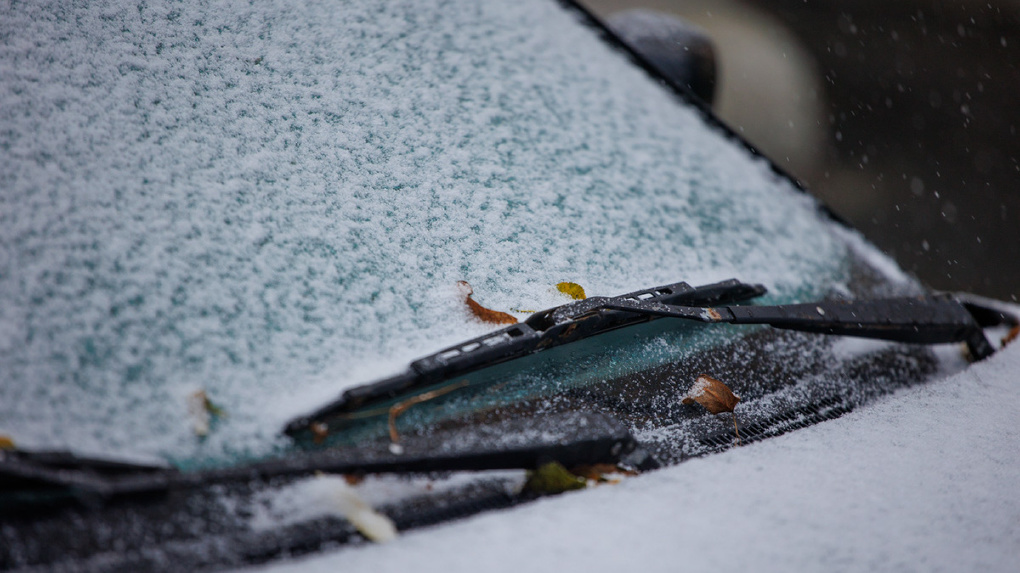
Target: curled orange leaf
column 400, row 407
column 601, row 472
column 320, row 432
column 715, row 396
column 1011, row 335
column 484, row 314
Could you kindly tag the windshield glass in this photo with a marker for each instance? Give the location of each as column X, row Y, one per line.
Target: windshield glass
column 272, row 203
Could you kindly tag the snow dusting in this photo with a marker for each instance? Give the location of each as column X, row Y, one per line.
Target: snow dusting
column 270, row 203
column 923, row 480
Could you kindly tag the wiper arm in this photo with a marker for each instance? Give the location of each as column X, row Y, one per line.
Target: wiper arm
column 584, row 438
column 543, row 330
column 923, row 320
column 920, row 320
column 571, row 439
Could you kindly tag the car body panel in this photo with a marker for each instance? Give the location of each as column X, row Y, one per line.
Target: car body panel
column 272, row 205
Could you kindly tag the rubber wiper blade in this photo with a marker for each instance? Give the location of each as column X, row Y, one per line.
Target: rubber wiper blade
column 543, row 330
column 571, row 439
column 932, row 319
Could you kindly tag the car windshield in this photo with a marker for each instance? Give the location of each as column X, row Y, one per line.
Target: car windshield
column 270, row 205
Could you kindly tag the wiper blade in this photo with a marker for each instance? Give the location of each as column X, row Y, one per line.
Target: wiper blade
column 543, row 330
column 593, row 438
column 571, row 439
column 920, row 320
column 932, row 319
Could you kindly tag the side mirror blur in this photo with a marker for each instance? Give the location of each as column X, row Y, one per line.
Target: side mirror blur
column 679, row 51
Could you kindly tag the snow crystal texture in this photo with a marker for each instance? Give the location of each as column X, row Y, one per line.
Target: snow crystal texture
column 273, row 201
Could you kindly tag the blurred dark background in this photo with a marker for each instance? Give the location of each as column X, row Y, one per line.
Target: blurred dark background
column 901, row 115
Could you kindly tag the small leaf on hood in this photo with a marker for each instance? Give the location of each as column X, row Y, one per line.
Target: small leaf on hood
column 599, row 472
column 354, row 479
column 400, row 407
column 373, row 525
column 202, row 410
column 320, row 432
column 573, row 290
column 553, row 478
column 1011, row 335
column 715, row 396
column 485, row 314
column 6, row 443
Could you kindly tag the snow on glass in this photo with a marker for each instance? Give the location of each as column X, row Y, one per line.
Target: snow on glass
column 271, row 204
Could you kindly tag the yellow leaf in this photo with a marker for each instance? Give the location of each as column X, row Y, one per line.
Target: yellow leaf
column 553, row 478
column 573, row 290
column 202, row 411
column 484, row 314
column 6, row 443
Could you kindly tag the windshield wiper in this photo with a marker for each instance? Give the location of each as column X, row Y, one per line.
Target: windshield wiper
column 571, row 439
column 543, row 330
column 931, row 319
column 580, row 438
column 584, row 438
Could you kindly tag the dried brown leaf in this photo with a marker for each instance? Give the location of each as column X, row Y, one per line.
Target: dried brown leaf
column 354, row 479
column 598, row 472
column 715, row 396
column 6, row 443
column 1011, row 335
column 484, row 314
column 320, row 432
column 573, row 290
column 202, row 410
column 400, row 407
column 200, row 416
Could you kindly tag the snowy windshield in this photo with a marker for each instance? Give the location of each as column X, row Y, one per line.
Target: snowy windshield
column 272, row 203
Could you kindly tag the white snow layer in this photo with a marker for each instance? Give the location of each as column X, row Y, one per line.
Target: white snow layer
column 271, row 202
column 924, row 480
